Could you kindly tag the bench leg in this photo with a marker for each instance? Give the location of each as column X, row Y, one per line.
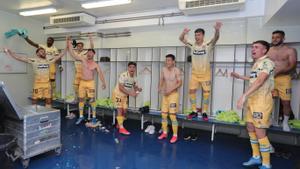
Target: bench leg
column 213, row 127
column 114, row 118
column 142, row 122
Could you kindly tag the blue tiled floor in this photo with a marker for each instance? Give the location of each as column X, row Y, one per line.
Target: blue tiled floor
column 86, row 149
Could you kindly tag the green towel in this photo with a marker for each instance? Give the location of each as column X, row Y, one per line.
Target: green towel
column 16, row 31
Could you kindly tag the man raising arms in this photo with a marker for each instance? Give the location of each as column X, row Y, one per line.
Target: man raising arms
column 201, row 73
column 87, row 83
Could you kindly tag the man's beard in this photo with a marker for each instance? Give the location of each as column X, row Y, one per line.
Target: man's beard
column 277, row 44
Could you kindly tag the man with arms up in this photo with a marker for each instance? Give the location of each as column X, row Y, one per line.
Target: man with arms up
column 170, row 82
column 201, row 73
column 87, row 83
column 259, row 104
column 285, row 59
column 41, row 68
column 78, row 68
column 51, row 52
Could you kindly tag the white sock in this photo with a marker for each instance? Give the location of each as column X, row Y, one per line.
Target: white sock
column 285, row 124
column 286, row 119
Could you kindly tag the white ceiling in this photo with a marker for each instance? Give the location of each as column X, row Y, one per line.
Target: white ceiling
column 71, row 6
column 287, row 15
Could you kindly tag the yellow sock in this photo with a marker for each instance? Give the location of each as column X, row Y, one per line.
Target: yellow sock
column 264, row 146
column 53, row 87
column 76, row 87
column 81, row 105
column 164, row 122
column 254, row 144
column 193, row 102
column 206, row 95
column 120, row 120
column 174, row 124
column 93, row 104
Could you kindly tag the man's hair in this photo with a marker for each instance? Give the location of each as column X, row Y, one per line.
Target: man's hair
column 200, row 30
column 79, row 43
column 91, row 50
column 279, row 32
column 51, row 38
column 264, row 43
column 38, row 49
column 170, row 56
column 131, row 63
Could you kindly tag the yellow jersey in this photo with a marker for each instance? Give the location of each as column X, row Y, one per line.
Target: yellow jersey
column 78, row 66
column 126, row 80
column 41, row 69
column 201, row 57
column 265, row 65
column 50, row 51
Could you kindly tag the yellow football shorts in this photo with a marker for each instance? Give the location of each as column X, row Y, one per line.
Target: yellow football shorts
column 170, row 103
column 202, row 81
column 87, row 89
column 120, row 102
column 283, row 87
column 259, row 111
column 41, row 90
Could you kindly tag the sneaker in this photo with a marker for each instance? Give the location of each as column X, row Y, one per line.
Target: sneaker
column 204, row 117
column 192, row 115
column 162, row 136
column 252, row 161
column 264, row 167
column 152, row 129
column 173, row 139
column 187, row 137
column 124, row 131
column 79, row 120
column 148, row 129
column 194, row 137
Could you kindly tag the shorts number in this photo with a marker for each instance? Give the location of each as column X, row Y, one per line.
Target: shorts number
column 118, row 100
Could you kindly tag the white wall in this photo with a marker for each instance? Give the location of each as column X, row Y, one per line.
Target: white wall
column 234, row 31
column 20, row 85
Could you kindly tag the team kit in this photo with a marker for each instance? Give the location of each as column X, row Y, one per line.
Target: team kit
column 270, row 76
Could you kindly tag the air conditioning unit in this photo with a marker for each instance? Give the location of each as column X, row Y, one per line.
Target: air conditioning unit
column 196, row 7
column 73, row 20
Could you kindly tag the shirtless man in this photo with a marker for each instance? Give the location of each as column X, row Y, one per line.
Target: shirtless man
column 126, row 86
column 41, row 68
column 87, row 83
column 285, row 59
column 170, row 82
column 82, row 53
column 51, row 52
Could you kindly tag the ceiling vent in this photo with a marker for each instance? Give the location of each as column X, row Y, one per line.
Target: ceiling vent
column 72, row 20
column 196, row 7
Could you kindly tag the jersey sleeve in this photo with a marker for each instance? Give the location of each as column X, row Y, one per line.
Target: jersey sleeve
column 42, row 46
column 122, row 78
column 267, row 67
column 190, row 44
column 31, row 60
